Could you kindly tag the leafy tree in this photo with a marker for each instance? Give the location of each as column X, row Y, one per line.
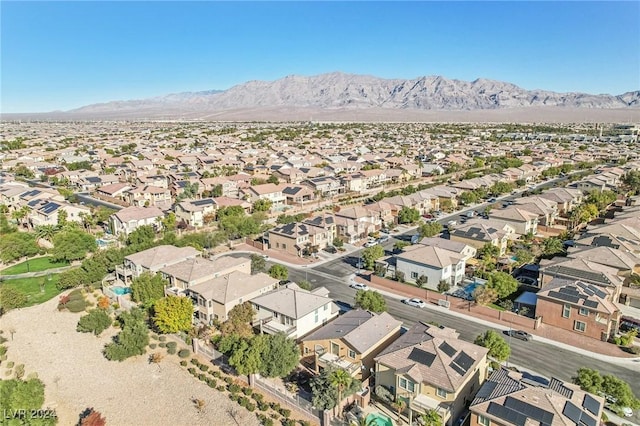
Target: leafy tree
column 148, row 288
column 500, row 188
column 485, row 296
column 230, row 211
column 79, row 165
column 429, row 229
column 279, row 272
column 72, row 245
column 431, row 418
column 258, row 264
column 62, row 218
column 325, row 395
column 240, row 226
column 245, row 354
column 262, row 205
column 239, row 321
column 443, row 286
column 11, row 298
column 338, row 243
column 589, row 380
column 422, row 280
column 168, row 223
column 173, row 314
column 601, row 199
column 22, row 171
column 142, row 236
column 15, row 245
column 503, row 283
column 280, row 357
column 552, row 246
column 371, row 254
column 71, row 278
column 22, row 395
column 132, row 339
column 498, row 347
column 524, row 256
column 341, row 380
column 96, row 321
column 305, row 285
column 408, row 215
column 273, row 179
column 632, row 180
column 370, row 301
column 400, row 245
column 468, row 197
column 488, row 250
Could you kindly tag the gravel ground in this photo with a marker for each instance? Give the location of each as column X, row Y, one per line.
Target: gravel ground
column 132, row 392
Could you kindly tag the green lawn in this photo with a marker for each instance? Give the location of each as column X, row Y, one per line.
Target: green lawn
column 31, row 287
column 33, row 265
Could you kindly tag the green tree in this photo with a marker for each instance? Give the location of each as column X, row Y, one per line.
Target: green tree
column 341, row 380
column 46, row 232
column 15, row 245
column 408, row 215
column 552, row 247
column 371, row 254
column 497, row 346
column 422, row 281
column 168, row 223
column 305, row 285
column 71, row 278
column 280, row 357
column 173, row 314
column 72, row 245
column 324, row 394
column 429, row 229
column 147, row 288
column 468, row 197
column 488, row 250
column 96, row 321
column 370, row 301
column 142, row 236
column 279, row 272
column 589, row 380
column 245, row 354
column 62, row 218
column 632, row 180
column 239, row 321
column 262, row 205
column 500, row 188
column 273, row 179
column 11, row 298
column 601, row 199
column 524, row 256
column 338, row 243
column 258, row 264
column 431, row 418
column 132, row 339
column 503, row 283
column 484, row 296
column 22, row 395
column 400, row 245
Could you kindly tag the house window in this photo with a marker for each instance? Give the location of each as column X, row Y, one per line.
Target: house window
column 352, row 354
column 566, row 311
column 406, row 384
column 579, row 326
column 484, row 421
column 441, row 393
column 584, row 312
column 306, row 350
column 414, row 275
column 326, row 307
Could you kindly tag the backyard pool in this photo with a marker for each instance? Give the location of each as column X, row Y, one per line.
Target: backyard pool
column 121, row 290
column 469, row 289
column 103, row 243
column 379, row 420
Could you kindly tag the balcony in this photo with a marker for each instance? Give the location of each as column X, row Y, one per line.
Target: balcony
column 330, row 360
column 271, row 325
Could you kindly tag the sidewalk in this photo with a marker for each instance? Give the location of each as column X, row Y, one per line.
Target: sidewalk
column 38, row 273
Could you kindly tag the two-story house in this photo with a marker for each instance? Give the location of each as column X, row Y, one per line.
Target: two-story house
column 46, row 212
column 193, row 212
column 153, row 260
column 298, row 238
column 477, row 233
column 293, row 311
column 522, row 221
column 268, row 191
column 192, row 271
column 127, row 220
column 429, row 367
column 579, row 307
column 351, row 342
column 507, row 398
column 435, row 263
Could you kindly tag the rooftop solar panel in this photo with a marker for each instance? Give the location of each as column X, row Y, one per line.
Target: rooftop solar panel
column 447, row 349
column 531, row 411
column 569, row 290
column 203, row 202
column 457, row 368
column 565, row 297
column 587, row 420
column 422, row 357
column 486, row 389
column 590, row 303
column 572, row 412
column 591, row 404
column 464, row 361
column 507, row 414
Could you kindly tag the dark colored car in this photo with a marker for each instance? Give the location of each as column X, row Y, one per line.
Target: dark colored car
column 331, row 249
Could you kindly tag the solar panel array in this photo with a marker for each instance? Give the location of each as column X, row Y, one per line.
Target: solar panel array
column 462, row 363
column 591, row 404
column 577, row 416
column 566, row 297
column 531, row 411
column 507, row 414
column 447, row 349
column 591, row 289
column 422, row 357
column 50, row 208
column 578, row 273
column 203, row 202
column 590, row 304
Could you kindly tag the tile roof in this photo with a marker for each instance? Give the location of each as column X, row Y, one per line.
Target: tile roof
column 232, row 286
column 161, row 256
column 428, row 255
column 293, row 302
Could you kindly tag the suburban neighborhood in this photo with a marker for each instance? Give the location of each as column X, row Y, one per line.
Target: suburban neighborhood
column 320, row 273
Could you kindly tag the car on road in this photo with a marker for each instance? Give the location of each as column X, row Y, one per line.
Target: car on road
column 418, row 303
column 331, row 249
column 519, row 334
column 492, row 200
column 359, row 286
column 383, row 239
column 370, row 243
column 626, row 411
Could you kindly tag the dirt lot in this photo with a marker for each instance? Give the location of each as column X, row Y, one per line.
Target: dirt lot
column 132, row 392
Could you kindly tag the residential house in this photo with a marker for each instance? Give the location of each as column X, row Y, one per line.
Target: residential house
column 153, row 260
column 507, row 398
column 194, row 212
column 566, row 198
column 214, row 298
column 293, row 311
column 127, row 220
column 584, row 270
column 435, row 263
column 148, row 195
column 325, row 186
column 229, row 188
column 267, row 191
column 46, row 212
column 298, row 195
column 195, row 270
column 114, row 190
column 464, row 250
column 351, row 342
column 546, row 210
column 299, row 238
column 477, row 233
column 580, row 307
column 430, row 368
column 522, row 221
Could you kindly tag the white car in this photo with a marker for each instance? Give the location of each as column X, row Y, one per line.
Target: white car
column 359, row 286
column 627, row 411
column 418, row 303
column 370, row 243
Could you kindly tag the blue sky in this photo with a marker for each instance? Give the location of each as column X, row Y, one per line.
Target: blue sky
column 62, row 55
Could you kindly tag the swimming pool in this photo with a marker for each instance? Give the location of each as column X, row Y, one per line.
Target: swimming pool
column 121, row 290
column 379, row 420
column 472, row 287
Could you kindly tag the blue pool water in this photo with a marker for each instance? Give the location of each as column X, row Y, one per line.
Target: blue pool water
column 121, row 290
column 379, row 420
column 102, row 243
column 471, row 288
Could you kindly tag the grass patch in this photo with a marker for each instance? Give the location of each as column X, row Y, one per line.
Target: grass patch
column 31, row 287
column 33, row 265
column 496, row 307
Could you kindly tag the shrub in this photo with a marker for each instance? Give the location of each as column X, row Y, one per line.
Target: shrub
column 247, row 391
column 184, row 353
column 172, row 345
column 192, row 370
column 288, row 422
column 162, row 345
column 194, row 361
column 233, row 388
column 171, row 350
column 183, row 363
column 162, row 338
column 10, row 364
column 19, row 371
column 263, row 406
column 258, row 397
column 204, row 367
column 250, row 406
column 96, row 321
column 76, row 306
column 152, row 345
column 76, row 295
column 275, row 406
column 154, row 336
column 216, row 374
column 286, row 413
column 3, row 350
column 234, row 397
column 228, row 380
column 220, row 388
column 32, row 376
column 304, row 423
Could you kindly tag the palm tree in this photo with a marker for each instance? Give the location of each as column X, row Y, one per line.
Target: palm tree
column 46, row 231
column 431, row 418
column 341, row 379
column 88, row 221
column 20, row 214
column 399, row 405
column 362, row 421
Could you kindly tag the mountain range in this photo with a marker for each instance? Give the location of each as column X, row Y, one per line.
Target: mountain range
column 352, row 94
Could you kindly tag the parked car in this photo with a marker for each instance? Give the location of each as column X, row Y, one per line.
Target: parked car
column 359, row 286
column 418, row 303
column 383, row 239
column 492, row 200
column 331, row 249
column 626, row 411
column 519, row 334
column 370, row 243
